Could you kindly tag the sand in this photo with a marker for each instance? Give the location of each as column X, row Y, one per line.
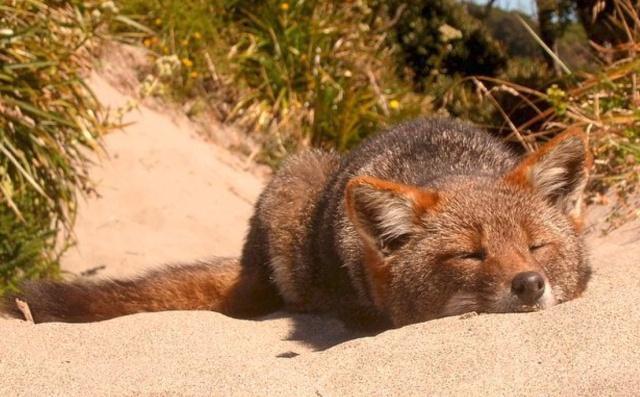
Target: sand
column 165, row 195
column 168, row 195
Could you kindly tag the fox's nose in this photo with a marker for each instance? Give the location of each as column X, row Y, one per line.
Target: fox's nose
column 528, row 287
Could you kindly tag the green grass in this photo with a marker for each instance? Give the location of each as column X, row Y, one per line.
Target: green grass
column 49, row 123
column 297, row 73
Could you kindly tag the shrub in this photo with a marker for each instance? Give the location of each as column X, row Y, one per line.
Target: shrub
column 49, row 122
column 439, row 37
column 299, row 72
column 191, row 32
column 325, row 73
column 317, row 72
column 603, row 102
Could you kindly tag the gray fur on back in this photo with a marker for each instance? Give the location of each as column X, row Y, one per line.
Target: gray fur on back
column 420, row 151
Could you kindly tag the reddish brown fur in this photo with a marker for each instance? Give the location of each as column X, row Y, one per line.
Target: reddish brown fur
column 422, row 200
column 205, row 286
column 522, row 175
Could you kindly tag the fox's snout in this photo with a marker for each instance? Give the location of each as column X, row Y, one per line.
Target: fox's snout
column 529, row 291
column 528, row 287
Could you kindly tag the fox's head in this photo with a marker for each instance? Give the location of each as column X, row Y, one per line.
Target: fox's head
column 509, row 243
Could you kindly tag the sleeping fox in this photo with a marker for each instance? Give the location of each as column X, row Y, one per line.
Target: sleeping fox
column 432, row 218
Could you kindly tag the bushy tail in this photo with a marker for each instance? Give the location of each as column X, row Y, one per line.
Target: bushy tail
column 221, row 285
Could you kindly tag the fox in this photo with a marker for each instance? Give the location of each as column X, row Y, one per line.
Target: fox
column 431, row 218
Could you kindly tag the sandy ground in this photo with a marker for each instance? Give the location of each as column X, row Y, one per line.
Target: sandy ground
column 167, row 195
column 164, row 195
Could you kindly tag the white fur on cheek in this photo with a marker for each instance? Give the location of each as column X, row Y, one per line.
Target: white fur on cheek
column 547, row 299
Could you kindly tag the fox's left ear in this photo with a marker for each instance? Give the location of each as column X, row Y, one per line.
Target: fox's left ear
column 384, row 214
column 558, row 170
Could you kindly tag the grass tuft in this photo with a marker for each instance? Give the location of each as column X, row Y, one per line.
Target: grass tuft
column 49, row 123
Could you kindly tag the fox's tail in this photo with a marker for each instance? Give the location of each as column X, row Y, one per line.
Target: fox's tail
column 221, row 285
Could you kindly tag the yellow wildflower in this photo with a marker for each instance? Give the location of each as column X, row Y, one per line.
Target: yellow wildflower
column 394, row 104
column 193, row 74
column 187, row 62
column 197, row 35
column 284, row 6
column 147, row 43
column 158, row 21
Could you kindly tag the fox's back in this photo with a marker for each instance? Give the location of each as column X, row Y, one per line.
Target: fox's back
column 423, row 150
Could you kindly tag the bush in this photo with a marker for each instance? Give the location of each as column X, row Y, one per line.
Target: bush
column 189, row 31
column 317, row 72
column 324, row 73
column 439, row 37
column 300, row 72
column 49, row 122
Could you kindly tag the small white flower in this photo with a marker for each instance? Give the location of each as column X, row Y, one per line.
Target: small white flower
column 166, row 66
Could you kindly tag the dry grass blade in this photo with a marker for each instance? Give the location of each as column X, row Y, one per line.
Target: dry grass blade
column 542, row 44
column 25, row 310
column 514, row 130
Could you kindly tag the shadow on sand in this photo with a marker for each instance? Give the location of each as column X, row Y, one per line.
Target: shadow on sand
column 319, row 332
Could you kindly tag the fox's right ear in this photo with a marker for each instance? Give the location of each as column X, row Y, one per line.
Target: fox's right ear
column 558, row 170
column 385, row 212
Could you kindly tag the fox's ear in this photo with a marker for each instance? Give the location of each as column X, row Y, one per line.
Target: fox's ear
column 385, row 212
column 558, row 170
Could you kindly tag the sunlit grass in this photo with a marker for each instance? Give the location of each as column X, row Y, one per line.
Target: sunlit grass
column 49, row 123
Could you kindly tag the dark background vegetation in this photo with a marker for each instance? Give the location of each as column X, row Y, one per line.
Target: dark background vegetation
column 301, row 73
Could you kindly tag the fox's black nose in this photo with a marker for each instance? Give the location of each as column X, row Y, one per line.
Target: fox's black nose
column 528, row 287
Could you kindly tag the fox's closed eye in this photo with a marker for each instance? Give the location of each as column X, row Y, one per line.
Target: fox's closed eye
column 477, row 255
column 537, row 246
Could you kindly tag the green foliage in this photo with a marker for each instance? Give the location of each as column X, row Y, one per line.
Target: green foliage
column 188, row 30
column 313, row 73
column 604, row 104
column 27, row 247
column 439, row 37
column 49, row 122
column 300, row 72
